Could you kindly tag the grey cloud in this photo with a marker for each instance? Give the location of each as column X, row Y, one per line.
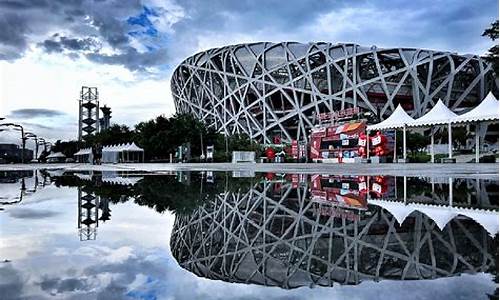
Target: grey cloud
column 64, row 285
column 134, row 60
column 29, row 113
column 11, row 282
column 447, row 24
column 87, row 25
column 59, row 43
column 12, row 36
column 28, row 213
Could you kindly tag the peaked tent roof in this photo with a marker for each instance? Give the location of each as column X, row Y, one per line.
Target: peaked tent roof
column 83, row 151
column 121, row 147
column 56, row 155
column 441, row 215
column 396, row 120
column 486, row 110
column 133, row 147
column 438, row 115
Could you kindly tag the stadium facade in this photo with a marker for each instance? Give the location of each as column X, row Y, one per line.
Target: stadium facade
column 279, row 89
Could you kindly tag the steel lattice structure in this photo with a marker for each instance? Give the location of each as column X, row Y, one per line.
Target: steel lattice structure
column 273, row 235
column 268, row 89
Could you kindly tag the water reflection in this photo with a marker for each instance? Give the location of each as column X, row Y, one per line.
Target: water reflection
column 294, row 230
column 20, row 184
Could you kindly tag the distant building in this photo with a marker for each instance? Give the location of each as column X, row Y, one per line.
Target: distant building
column 11, row 153
column 104, row 122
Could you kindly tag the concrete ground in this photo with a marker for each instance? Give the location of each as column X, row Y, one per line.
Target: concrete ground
column 483, row 170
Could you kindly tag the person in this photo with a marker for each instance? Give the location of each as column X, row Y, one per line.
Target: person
column 99, row 153
column 94, row 154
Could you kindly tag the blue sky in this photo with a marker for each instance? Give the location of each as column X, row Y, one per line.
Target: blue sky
column 129, row 48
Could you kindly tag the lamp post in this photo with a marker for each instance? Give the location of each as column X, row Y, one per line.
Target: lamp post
column 23, row 139
column 32, row 135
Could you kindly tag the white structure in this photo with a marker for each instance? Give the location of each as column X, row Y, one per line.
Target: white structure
column 279, row 89
column 243, row 156
column 84, row 155
column 486, row 111
column 56, row 157
column 122, row 153
column 439, row 115
column 397, row 120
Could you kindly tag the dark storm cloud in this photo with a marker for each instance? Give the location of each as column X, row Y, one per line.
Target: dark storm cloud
column 86, row 26
column 125, row 26
column 29, row 113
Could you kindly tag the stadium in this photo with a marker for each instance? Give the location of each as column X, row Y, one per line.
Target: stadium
column 279, row 89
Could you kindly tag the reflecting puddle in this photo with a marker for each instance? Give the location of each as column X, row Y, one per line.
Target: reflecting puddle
column 230, row 235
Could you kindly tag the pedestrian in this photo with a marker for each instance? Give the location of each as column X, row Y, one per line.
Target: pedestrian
column 94, row 154
column 99, row 153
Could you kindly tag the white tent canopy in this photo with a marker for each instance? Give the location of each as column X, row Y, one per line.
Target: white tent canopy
column 122, row 153
column 397, row 119
column 441, row 215
column 84, row 151
column 56, row 155
column 487, row 110
column 84, row 155
column 440, row 114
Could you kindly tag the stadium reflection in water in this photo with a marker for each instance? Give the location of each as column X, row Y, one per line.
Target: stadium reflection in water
column 291, row 230
column 301, row 230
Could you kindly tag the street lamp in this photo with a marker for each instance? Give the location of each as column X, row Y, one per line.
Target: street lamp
column 22, row 137
column 32, row 135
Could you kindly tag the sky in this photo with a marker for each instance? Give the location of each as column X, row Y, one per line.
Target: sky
column 129, row 48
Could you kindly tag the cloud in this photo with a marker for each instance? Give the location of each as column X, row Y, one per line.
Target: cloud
column 61, row 43
column 28, row 213
column 144, row 34
column 133, row 59
column 11, row 282
column 30, row 113
column 108, row 32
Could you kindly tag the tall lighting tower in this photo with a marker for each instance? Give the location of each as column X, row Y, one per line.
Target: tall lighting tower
column 88, row 120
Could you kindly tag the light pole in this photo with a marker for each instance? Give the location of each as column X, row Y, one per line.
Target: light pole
column 22, row 137
column 32, row 135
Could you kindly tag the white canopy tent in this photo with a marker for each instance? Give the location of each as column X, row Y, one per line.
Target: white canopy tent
column 440, row 114
column 83, row 155
column 398, row 119
column 122, row 153
column 441, row 215
column 56, row 157
column 487, row 110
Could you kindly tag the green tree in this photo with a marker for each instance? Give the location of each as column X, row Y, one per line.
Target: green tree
column 115, row 134
column 492, row 55
column 68, row 148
